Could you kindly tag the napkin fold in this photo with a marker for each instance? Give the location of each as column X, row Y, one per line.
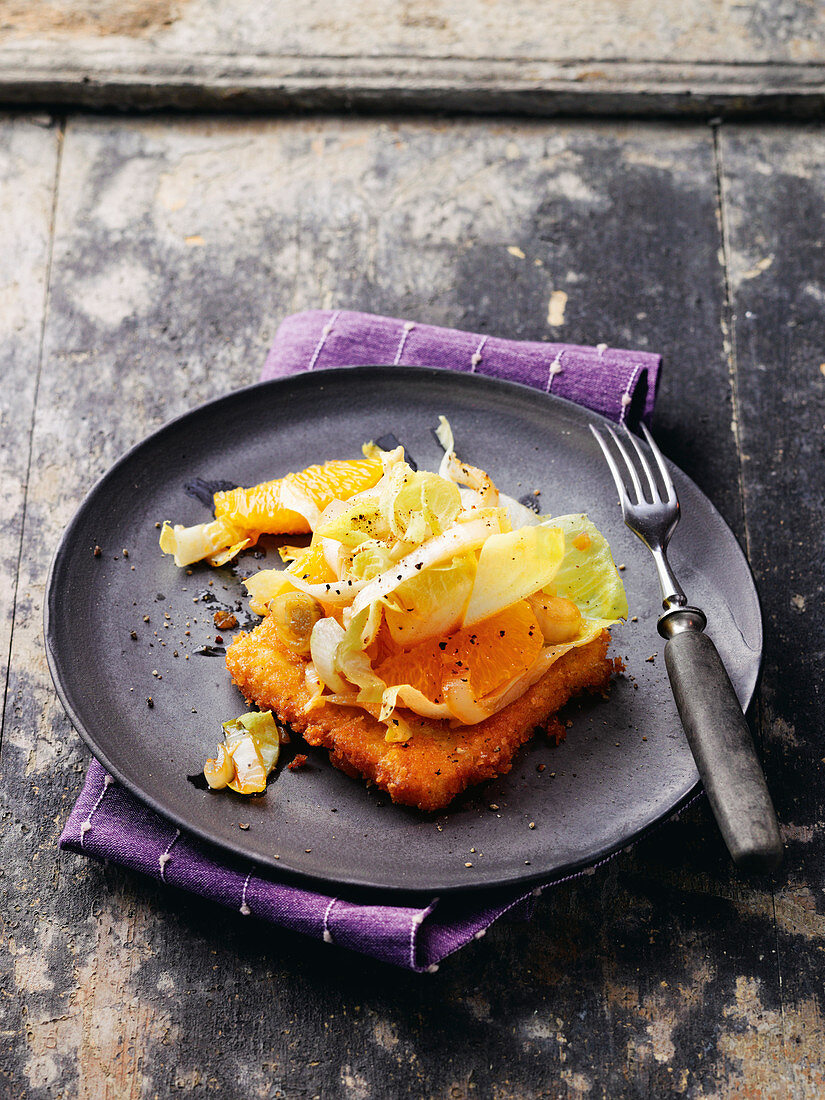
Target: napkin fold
column 618, row 384
column 111, row 824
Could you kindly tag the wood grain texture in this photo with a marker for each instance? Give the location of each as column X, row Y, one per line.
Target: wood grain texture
column 28, row 158
column 636, row 30
column 637, row 57
column 177, row 248
column 774, row 199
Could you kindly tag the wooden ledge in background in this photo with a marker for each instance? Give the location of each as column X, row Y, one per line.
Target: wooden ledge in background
column 106, row 77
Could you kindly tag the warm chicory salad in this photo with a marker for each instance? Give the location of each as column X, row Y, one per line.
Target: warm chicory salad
column 419, row 593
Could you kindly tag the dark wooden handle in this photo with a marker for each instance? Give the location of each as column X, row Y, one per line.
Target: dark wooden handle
column 724, row 751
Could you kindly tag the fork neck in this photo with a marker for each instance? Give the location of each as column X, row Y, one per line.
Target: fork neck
column 673, row 595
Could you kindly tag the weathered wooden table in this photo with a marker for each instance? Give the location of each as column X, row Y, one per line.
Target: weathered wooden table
column 144, row 266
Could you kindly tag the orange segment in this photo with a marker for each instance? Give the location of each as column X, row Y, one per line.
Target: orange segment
column 495, row 651
column 312, row 566
column 259, row 510
column 489, row 655
column 421, row 668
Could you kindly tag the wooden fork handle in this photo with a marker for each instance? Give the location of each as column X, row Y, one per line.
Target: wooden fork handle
column 724, row 752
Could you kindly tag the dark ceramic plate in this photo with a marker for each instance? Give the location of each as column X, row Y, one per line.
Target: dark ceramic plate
column 625, row 764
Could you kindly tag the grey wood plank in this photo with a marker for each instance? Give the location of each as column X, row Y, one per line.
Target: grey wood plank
column 28, row 155
column 635, row 58
column 775, row 204
column 177, row 250
column 29, row 149
column 711, row 31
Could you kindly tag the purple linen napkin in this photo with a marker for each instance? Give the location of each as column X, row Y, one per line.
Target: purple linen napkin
column 616, row 383
column 109, row 823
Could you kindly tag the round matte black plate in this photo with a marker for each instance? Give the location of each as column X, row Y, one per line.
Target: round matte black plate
column 625, row 764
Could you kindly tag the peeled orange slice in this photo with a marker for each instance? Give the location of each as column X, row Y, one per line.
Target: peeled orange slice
column 421, row 668
column 263, row 508
column 311, row 566
column 487, row 656
column 495, row 651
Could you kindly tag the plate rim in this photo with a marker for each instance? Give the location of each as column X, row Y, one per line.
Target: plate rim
column 303, row 877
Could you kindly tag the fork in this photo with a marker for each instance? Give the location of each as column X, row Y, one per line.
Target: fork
column 714, row 723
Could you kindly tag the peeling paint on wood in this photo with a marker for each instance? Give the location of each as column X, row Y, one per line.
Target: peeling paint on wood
column 88, row 18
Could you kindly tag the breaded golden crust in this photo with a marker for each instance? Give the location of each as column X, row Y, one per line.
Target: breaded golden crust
column 440, row 760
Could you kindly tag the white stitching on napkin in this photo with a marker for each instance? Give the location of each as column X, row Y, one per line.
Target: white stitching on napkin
column 87, row 824
column 325, row 331
column 164, row 857
column 408, row 327
column 555, row 368
column 475, row 358
column 244, row 909
column 327, row 932
column 626, row 398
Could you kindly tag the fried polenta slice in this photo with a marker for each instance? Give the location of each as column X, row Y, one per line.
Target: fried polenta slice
column 440, row 760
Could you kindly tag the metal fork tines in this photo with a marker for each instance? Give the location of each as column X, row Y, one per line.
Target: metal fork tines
column 714, row 724
column 650, row 515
